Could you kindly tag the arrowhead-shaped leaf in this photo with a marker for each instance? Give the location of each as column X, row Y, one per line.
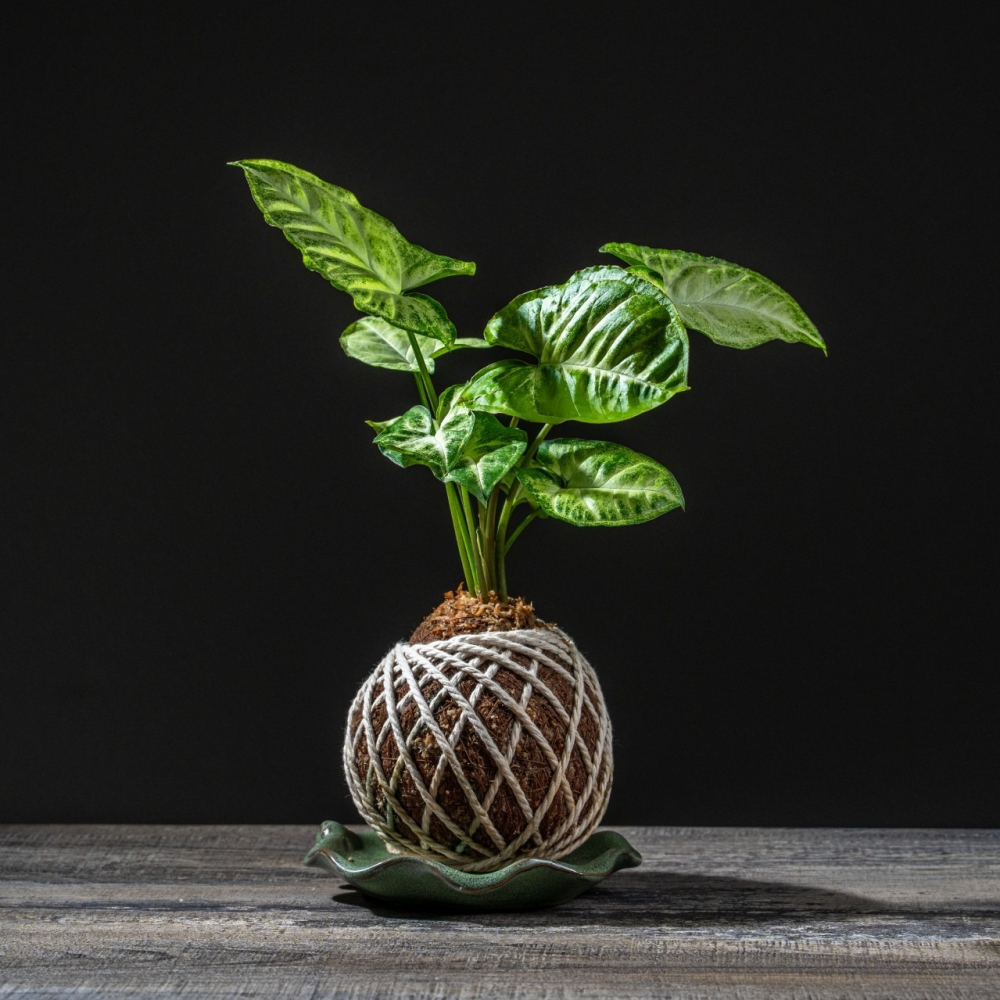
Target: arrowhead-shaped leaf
column 731, row 304
column 599, row 484
column 608, row 346
column 413, row 439
column 354, row 248
column 382, row 344
column 378, row 343
column 490, row 453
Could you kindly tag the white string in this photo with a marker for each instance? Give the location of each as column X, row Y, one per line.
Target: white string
column 402, row 677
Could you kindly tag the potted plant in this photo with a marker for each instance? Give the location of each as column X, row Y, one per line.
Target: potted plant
column 484, row 738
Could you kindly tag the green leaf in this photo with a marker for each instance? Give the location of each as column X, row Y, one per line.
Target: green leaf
column 413, row 439
column 354, row 248
column 608, row 346
column 378, row 343
column 599, row 484
column 461, row 342
column 490, row 453
column 418, row 312
column 448, row 400
column 472, row 449
column 734, row 306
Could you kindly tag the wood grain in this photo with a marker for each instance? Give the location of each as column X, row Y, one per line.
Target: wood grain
column 133, row 911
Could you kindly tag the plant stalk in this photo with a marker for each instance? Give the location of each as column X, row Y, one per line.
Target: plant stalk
column 462, row 538
column 517, row 531
column 470, row 519
column 499, row 538
column 539, row 438
column 491, row 556
column 425, row 375
column 428, row 397
column 422, row 392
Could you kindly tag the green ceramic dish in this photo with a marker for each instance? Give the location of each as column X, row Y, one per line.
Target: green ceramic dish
column 362, row 860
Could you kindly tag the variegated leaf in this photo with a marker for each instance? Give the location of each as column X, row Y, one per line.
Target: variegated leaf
column 599, row 484
column 491, row 451
column 608, row 346
column 734, row 306
column 413, row 439
column 354, row 248
column 462, row 342
column 380, row 344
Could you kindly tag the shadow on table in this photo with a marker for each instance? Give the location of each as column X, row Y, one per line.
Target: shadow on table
column 642, row 898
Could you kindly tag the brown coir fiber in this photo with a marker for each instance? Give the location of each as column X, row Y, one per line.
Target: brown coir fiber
column 462, row 613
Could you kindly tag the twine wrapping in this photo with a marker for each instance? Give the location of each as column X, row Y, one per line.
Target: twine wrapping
column 415, row 720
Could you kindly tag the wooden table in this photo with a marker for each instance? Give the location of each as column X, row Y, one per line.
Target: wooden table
column 115, row 911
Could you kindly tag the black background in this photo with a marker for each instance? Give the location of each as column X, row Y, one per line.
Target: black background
column 203, row 553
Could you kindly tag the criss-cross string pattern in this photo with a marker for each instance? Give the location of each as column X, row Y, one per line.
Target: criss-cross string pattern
column 428, row 677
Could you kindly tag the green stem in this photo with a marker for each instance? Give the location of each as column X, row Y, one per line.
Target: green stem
column 490, row 555
column 481, row 508
column 541, row 436
column 428, row 397
column 425, row 375
column 489, row 574
column 462, row 538
column 501, row 578
column 517, row 531
column 470, row 520
column 500, row 538
column 511, row 501
column 423, row 393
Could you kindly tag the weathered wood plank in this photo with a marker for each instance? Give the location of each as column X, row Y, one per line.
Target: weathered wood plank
column 747, row 913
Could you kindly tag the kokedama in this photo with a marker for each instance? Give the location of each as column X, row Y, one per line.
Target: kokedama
column 484, row 737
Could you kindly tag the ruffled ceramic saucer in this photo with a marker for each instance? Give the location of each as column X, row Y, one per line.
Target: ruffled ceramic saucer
column 362, row 860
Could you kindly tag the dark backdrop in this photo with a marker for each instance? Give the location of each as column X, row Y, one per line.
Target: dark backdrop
column 203, row 553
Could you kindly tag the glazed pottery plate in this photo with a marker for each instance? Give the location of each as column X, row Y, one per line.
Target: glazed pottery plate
column 363, row 861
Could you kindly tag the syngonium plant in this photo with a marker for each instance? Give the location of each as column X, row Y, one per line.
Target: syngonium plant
column 608, row 344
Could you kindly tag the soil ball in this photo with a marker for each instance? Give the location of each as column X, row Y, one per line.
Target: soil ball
column 482, row 739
